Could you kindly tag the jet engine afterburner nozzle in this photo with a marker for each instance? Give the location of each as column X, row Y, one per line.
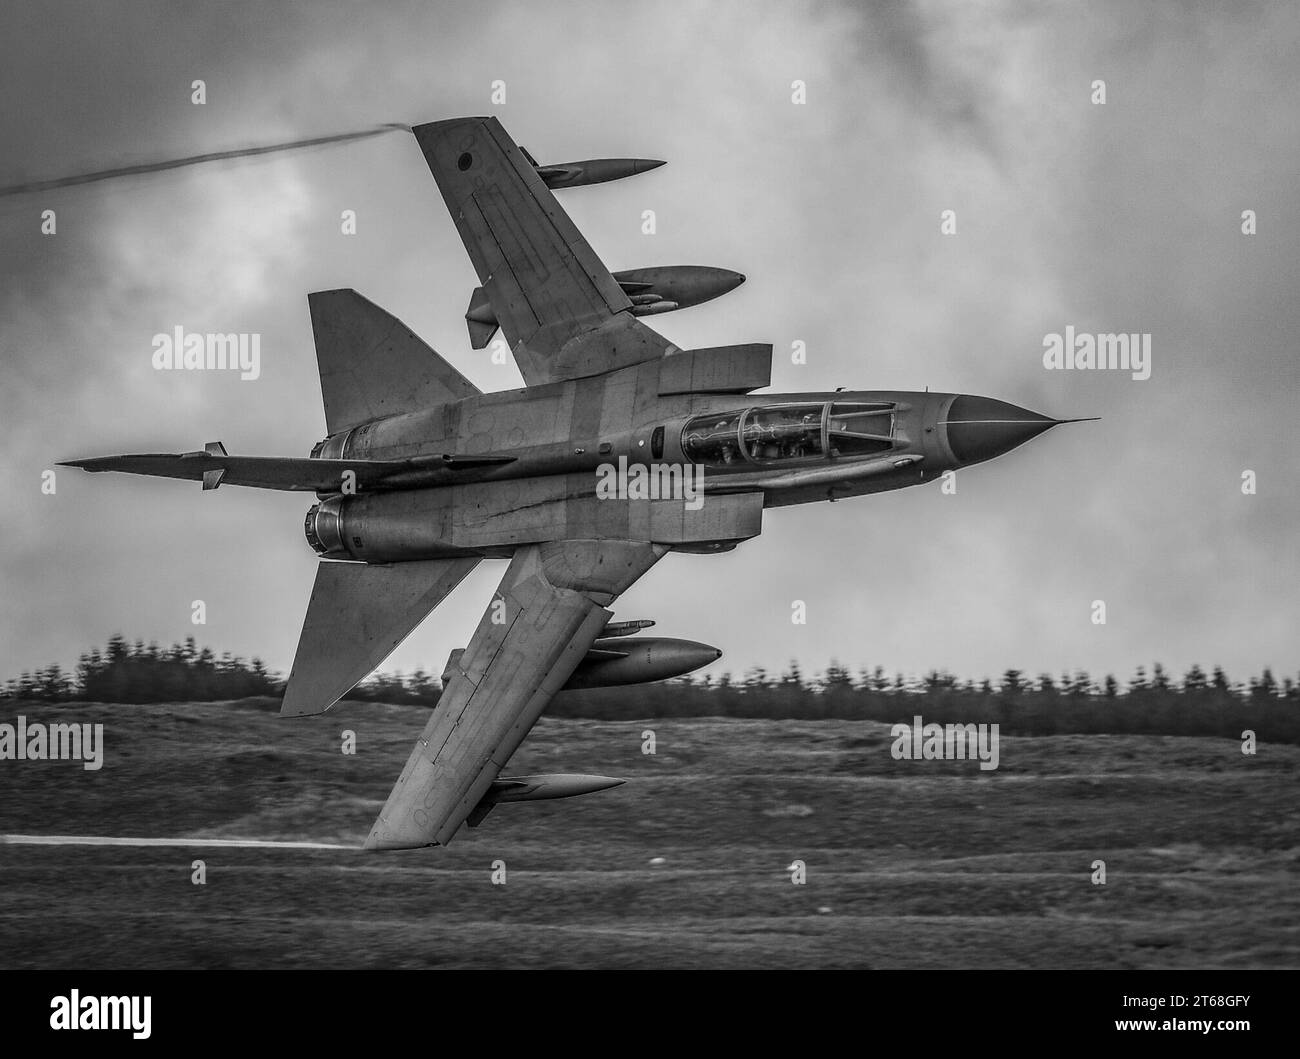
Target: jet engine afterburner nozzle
column 324, row 529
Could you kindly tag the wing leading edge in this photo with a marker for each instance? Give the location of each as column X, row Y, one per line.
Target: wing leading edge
column 545, row 616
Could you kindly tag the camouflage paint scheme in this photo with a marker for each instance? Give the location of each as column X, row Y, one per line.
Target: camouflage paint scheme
column 422, row 475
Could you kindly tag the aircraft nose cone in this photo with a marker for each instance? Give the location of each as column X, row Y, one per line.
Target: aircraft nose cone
column 980, row 428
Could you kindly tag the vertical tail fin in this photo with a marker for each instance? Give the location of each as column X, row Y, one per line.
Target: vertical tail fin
column 372, row 365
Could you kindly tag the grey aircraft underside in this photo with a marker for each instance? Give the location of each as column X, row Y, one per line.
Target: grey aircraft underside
column 422, row 475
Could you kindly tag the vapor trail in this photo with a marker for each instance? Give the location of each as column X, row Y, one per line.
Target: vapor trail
column 197, row 159
column 104, row 840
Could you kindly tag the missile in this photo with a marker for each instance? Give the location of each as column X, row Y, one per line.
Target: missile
column 538, row 788
column 686, row 285
column 548, row 785
column 621, row 660
column 618, row 658
column 625, row 628
column 654, row 308
column 659, row 289
column 591, row 170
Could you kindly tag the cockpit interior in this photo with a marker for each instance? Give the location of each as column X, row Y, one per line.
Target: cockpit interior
column 781, row 432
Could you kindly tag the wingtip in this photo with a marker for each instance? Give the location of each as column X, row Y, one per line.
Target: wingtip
column 291, row 706
column 428, row 127
column 299, row 712
column 377, row 842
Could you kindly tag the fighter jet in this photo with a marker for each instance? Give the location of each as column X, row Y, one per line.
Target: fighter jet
column 422, row 476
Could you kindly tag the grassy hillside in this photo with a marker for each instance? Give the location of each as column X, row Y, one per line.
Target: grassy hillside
column 909, row 864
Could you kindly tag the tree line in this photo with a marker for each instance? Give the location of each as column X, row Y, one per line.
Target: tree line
column 1152, row 701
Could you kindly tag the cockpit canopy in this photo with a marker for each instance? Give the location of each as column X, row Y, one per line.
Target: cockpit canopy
column 780, row 432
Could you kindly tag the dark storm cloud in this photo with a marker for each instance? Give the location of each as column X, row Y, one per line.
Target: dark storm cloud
column 906, row 41
column 1117, row 217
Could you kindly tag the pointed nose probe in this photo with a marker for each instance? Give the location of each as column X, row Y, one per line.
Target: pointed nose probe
column 981, row 428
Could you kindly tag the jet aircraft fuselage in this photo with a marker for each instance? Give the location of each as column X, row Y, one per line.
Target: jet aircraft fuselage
column 793, row 448
column 422, row 475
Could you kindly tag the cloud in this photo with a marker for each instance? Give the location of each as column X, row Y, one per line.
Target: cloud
column 1122, row 217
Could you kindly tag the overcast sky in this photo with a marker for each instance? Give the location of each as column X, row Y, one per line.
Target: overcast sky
column 1117, row 217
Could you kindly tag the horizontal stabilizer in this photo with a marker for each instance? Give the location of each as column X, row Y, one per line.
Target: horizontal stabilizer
column 292, row 472
column 372, row 365
column 357, row 616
